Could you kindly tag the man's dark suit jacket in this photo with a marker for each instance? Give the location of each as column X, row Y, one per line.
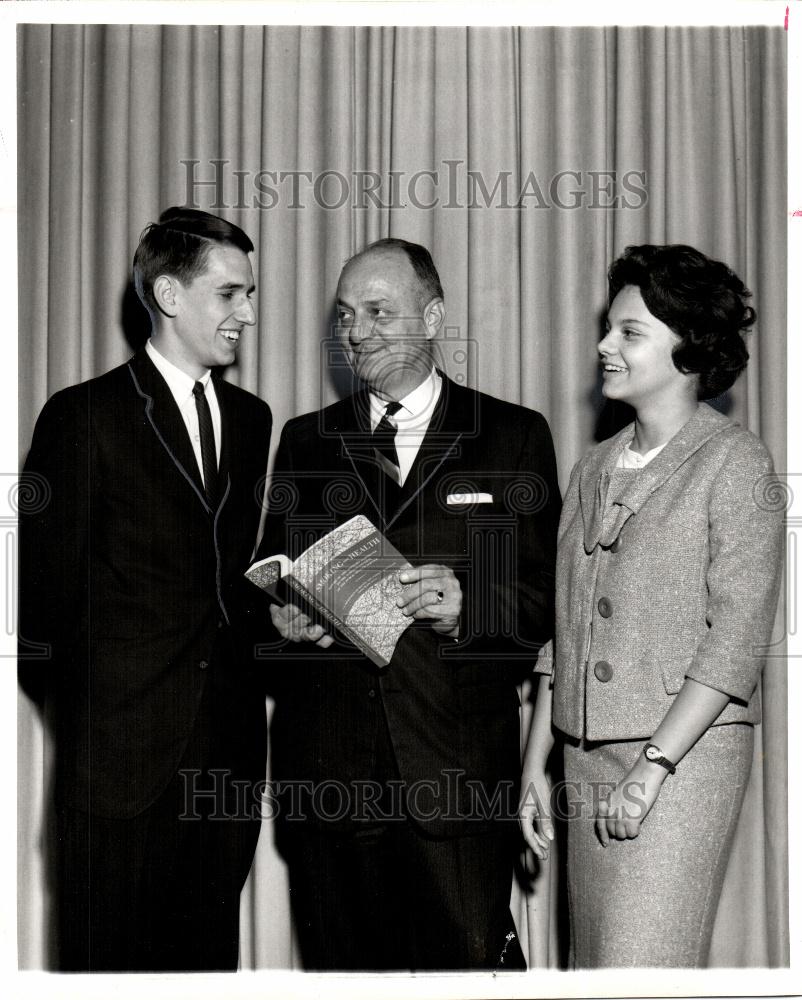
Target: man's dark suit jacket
column 452, row 707
column 128, row 577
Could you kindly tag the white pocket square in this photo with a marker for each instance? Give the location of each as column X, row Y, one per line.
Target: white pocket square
column 463, row 498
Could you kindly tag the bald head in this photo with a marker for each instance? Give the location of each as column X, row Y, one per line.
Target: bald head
column 389, row 315
column 419, row 259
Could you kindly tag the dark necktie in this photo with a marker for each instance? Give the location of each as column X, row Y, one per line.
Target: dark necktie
column 208, row 451
column 383, row 441
column 383, row 438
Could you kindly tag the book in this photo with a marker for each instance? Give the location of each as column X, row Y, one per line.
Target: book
column 347, row 579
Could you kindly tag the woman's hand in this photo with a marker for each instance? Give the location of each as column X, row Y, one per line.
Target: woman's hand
column 620, row 816
column 534, row 811
column 692, row 712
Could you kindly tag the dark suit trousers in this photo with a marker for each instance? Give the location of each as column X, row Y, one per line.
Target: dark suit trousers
column 384, row 896
column 160, row 891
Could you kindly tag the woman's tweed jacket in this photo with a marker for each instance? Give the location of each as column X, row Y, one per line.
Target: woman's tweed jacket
column 680, row 580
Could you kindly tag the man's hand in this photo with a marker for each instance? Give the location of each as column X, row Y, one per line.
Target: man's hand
column 432, row 592
column 293, row 625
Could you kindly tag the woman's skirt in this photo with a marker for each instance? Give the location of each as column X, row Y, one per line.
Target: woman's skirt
column 652, row 901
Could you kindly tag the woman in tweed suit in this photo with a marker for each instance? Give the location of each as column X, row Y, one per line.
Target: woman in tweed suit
column 668, row 575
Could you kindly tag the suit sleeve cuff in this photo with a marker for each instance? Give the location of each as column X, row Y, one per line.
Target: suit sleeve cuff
column 544, row 664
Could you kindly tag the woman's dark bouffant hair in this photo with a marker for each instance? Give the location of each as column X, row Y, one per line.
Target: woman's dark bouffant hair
column 701, row 300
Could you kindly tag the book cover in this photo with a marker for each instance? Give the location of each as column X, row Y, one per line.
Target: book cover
column 347, row 579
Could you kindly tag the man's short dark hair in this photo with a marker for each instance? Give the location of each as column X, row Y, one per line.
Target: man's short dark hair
column 179, row 244
column 701, row 300
column 421, row 261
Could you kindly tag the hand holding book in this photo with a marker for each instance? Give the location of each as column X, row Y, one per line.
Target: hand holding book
column 293, row 625
column 348, row 579
column 432, row 592
column 355, row 581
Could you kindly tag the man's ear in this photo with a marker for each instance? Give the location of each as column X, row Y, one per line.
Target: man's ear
column 164, row 292
column 434, row 316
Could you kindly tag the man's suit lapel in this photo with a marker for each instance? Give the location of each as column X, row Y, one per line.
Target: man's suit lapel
column 449, row 419
column 356, row 450
column 230, row 445
column 439, row 446
column 165, row 419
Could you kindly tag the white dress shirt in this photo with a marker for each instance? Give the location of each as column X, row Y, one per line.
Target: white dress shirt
column 412, row 420
column 181, row 386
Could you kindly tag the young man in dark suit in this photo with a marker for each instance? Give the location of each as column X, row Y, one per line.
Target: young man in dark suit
column 397, row 788
column 132, row 582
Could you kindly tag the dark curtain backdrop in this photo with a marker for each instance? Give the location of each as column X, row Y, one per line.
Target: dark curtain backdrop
column 525, row 158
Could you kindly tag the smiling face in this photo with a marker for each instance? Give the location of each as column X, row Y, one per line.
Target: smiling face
column 636, row 356
column 207, row 315
column 386, row 326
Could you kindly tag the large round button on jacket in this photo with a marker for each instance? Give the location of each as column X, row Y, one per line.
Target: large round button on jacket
column 603, row 671
column 605, row 606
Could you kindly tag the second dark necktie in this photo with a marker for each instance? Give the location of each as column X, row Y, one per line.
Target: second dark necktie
column 208, row 450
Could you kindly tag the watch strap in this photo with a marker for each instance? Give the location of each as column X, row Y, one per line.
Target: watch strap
column 656, row 757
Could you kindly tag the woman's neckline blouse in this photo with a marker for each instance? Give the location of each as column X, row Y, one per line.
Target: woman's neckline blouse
column 629, row 459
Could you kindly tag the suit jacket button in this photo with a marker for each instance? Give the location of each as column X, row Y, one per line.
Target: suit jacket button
column 203, row 664
column 616, row 544
column 603, row 671
column 605, row 607
column 372, row 693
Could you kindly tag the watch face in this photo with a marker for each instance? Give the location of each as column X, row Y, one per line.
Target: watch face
column 652, row 753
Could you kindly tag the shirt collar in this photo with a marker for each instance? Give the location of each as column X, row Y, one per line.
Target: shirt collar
column 415, row 406
column 629, row 459
column 181, row 384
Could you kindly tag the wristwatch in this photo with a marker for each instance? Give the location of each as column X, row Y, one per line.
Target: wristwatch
column 655, row 755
